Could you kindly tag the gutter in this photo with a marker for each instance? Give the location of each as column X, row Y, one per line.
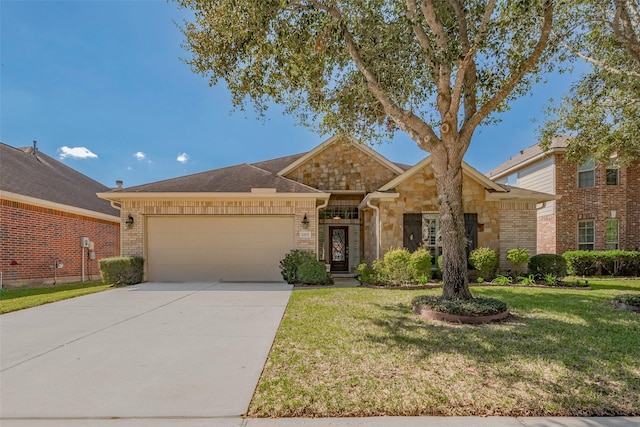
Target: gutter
column 366, row 203
column 322, row 206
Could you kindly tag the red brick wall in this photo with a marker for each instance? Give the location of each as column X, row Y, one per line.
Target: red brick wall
column 596, row 203
column 632, row 230
column 32, row 236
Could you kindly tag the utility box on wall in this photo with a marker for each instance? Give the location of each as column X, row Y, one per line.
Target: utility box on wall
column 84, row 242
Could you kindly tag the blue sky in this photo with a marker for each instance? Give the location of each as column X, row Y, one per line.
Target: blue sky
column 100, row 86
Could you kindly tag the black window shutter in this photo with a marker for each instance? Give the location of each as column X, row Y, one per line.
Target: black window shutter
column 411, row 231
column 471, row 231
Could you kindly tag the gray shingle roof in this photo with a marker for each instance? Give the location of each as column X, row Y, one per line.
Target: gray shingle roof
column 233, row 179
column 526, row 154
column 45, row 178
column 276, row 165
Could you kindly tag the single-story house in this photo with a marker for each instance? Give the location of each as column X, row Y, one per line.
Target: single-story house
column 342, row 200
column 53, row 227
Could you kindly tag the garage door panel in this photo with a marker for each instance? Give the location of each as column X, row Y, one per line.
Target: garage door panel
column 204, row 248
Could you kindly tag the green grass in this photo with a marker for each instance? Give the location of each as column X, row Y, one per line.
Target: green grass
column 361, row 352
column 18, row 299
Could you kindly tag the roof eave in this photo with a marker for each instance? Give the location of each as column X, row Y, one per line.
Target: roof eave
column 527, row 162
column 21, row 198
column 123, row 195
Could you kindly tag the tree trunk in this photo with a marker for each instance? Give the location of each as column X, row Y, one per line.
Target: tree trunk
column 455, row 284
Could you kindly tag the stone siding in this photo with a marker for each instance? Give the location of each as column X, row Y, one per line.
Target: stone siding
column 343, row 167
column 418, row 195
column 33, row 236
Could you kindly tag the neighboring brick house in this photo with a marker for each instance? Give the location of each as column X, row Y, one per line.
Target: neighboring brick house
column 341, row 200
column 599, row 205
column 45, row 209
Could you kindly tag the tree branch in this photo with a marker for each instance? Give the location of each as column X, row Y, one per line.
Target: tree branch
column 413, row 125
column 421, row 34
column 623, row 29
column 516, row 77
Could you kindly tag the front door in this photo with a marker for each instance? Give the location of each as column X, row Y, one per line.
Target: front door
column 339, row 249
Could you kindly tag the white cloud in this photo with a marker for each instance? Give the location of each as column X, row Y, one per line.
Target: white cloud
column 183, row 158
column 76, row 153
column 140, row 155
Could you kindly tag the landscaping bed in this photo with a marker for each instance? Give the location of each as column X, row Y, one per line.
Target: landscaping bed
column 363, row 352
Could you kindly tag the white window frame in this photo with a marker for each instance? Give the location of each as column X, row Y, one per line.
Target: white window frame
column 588, row 167
column 582, row 243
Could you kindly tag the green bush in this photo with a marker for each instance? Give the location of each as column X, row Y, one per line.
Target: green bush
column 542, row 265
column 396, row 270
column 365, row 273
column 313, row 272
column 398, row 267
column 613, row 262
column 581, row 263
column 122, row 271
column 518, row 258
column 292, row 261
column 485, row 260
column 620, row 263
column 421, row 265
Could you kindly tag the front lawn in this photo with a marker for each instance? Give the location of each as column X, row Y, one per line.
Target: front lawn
column 362, row 352
column 18, row 299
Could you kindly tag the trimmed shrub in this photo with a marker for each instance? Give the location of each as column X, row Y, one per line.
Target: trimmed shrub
column 518, row 258
column 620, row 263
column 122, row 271
column 542, row 265
column 581, row 263
column 291, row 261
column 421, row 265
column 313, row 273
column 485, row 260
column 365, row 272
column 397, row 269
column 613, row 262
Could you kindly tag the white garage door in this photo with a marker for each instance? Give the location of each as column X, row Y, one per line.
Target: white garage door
column 204, row 248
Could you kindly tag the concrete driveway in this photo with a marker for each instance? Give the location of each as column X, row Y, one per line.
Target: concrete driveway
column 154, row 350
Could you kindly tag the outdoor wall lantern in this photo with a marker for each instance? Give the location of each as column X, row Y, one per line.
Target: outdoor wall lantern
column 305, row 222
column 129, row 221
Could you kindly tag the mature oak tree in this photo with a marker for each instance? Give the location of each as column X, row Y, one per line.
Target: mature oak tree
column 602, row 109
column 435, row 69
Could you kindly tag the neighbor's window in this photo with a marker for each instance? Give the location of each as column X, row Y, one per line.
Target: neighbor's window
column 586, row 235
column 613, row 173
column 587, row 174
column 612, row 234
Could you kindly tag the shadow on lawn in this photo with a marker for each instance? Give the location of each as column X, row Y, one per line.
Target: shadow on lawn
column 582, row 336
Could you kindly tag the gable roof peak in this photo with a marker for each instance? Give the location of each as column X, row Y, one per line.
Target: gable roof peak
column 349, row 140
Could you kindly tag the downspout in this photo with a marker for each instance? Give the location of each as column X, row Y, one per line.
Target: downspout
column 326, row 203
column 377, row 222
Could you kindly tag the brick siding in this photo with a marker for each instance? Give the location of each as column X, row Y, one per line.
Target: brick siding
column 597, row 203
column 33, row 236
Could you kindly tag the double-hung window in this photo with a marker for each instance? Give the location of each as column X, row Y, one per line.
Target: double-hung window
column 587, row 174
column 586, row 235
